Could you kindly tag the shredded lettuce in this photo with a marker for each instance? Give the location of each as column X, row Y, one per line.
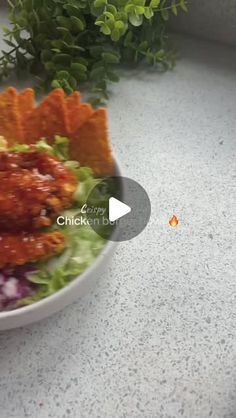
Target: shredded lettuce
column 83, row 246
column 59, row 148
column 19, row 148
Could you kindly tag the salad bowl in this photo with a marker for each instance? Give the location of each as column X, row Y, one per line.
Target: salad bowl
column 52, row 156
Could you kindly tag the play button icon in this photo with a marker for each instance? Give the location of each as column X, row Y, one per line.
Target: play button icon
column 117, row 209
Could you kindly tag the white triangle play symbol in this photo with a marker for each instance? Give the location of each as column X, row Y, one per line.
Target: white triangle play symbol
column 117, row 209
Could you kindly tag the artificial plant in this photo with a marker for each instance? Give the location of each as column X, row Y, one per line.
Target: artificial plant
column 65, row 43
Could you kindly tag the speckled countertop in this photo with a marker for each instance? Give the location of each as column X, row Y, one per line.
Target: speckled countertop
column 157, row 336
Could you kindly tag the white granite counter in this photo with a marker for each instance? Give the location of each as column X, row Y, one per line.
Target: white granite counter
column 157, row 336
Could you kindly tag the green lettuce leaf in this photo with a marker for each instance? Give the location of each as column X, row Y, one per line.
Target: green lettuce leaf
column 59, row 148
column 19, row 148
column 83, row 246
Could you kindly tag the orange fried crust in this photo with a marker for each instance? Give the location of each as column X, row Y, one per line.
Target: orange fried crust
column 72, row 107
column 21, row 121
column 18, row 249
column 26, row 103
column 85, row 111
column 90, row 145
column 34, row 189
column 48, row 119
column 10, row 121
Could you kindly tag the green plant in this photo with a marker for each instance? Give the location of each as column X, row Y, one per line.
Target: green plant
column 67, row 42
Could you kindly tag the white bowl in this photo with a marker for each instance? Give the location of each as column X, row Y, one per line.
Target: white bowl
column 63, row 297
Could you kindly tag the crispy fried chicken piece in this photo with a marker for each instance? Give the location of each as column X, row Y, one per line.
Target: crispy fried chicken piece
column 34, row 189
column 22, row 248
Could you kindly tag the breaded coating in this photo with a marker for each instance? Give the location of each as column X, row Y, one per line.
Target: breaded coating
column 90, row 146
column 21, row 120
column 34, row 189
column 50, row 118
column 11, row 126
column 22, row 248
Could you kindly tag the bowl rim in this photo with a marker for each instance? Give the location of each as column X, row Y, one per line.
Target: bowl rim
column 107, row 249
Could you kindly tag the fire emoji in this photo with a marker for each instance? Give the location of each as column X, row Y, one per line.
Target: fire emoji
column 173, row 221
